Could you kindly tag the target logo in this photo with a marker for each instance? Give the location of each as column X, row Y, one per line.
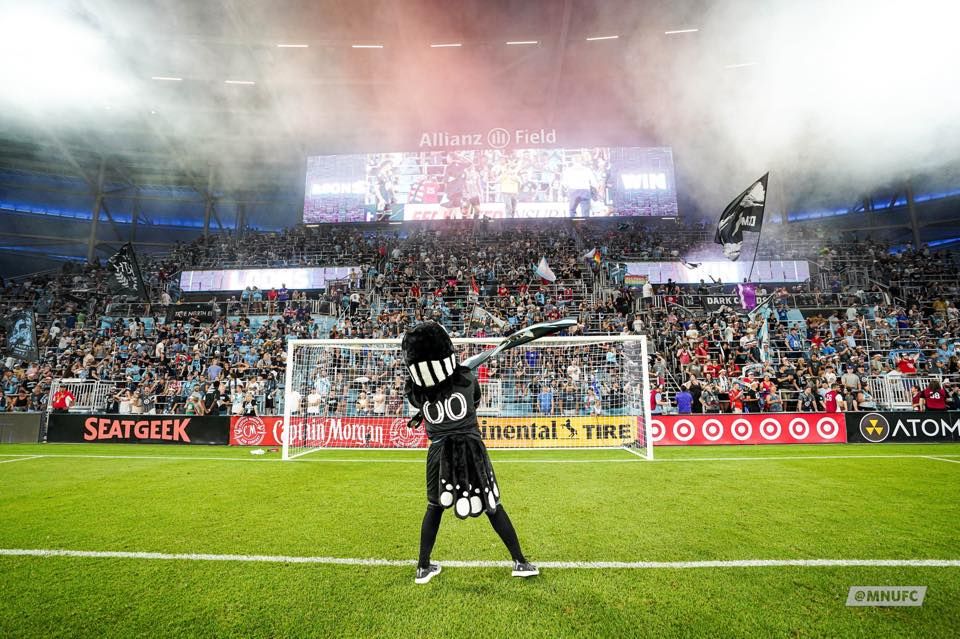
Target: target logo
column 713, row 429
column 799, row 428
column 742, row 430
column 657, row 430
column 828, row 428
column 498, row 138
column 748, row 428
column 770, row 429
column 683, row 430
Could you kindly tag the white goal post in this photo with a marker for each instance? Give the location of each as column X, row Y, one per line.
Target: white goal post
column 554, row 392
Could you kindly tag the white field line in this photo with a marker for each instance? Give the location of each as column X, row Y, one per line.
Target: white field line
column 564, row 565
column 20, row 458
column 952, row 461
column 372, row 460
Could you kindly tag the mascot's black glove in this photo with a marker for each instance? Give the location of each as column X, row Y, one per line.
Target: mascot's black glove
column 416, row 420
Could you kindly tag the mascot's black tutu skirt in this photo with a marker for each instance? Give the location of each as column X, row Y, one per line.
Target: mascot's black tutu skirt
column 460, row 475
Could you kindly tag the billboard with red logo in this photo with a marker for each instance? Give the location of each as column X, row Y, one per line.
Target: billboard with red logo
column 748, row 428
column 332, row 432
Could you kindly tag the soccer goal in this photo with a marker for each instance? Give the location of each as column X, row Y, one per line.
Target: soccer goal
column 555, row 392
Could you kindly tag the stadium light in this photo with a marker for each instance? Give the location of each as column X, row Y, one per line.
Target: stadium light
column 239, row 82
column 366, row 46
column 292, row 46
column 165, row 78
column 446, row 45
column 523, row 42
column 609, row 37
column 679, row 31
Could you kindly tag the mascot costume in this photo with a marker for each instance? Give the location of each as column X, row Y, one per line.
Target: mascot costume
column 459, row 472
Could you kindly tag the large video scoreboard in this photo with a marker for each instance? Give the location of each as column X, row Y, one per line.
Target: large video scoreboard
column 490, row 183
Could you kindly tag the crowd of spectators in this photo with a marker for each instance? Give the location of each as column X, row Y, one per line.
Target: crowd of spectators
column 479, row 280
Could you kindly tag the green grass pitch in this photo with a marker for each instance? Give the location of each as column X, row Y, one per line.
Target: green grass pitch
column 692, row 504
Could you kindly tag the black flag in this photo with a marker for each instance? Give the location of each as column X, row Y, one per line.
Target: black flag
column 745, row 213
column 125, row 274
column 21, row 329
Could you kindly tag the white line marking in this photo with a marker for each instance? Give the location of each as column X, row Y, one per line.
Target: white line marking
column 566, row 565
column 10, row 461
column 952, row 461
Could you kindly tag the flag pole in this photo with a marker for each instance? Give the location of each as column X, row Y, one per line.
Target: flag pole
column 755, row 251
column 766, row 197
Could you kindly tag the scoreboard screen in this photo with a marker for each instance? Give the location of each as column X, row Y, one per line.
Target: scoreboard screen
column 490, row 183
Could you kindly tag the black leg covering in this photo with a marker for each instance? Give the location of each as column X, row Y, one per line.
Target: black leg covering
column 428, row 533
column 504, row 527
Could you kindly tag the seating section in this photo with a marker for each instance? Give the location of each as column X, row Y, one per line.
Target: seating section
column 876, row 321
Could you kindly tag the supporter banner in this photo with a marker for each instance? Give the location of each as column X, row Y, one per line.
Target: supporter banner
column 878, row 428
column 21, row 330
column 716, row 302
column 146, row 429
column 749, row 428
column 203, row 312
column 392, row 432
column 125, row 278
column 744, row 213
column 19, row 428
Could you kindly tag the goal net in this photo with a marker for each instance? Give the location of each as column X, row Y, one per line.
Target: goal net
column 555, row 392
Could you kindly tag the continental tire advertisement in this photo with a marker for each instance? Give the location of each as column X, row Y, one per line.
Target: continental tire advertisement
column 138, row 429
column 557, row 432
column 392, row 432
column 881, row 428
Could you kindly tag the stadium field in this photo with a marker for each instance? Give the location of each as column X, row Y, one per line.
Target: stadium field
column 215, row 542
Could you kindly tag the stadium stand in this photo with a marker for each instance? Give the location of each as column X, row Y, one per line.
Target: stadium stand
column 876, row 342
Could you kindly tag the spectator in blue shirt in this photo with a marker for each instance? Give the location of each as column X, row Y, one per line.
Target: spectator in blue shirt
column 214, row 370
column 684, row 402
column 545, row 400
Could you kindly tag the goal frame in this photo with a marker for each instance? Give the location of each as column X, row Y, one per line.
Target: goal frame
column 646, row 450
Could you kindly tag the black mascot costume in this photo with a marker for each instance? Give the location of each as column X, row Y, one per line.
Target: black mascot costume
column 459, row 472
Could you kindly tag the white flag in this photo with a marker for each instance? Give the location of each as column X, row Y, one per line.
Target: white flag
column 481, row 314
column 544, row 270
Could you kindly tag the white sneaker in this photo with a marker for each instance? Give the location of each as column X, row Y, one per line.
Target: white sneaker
column 524, row 569
column 426, row 574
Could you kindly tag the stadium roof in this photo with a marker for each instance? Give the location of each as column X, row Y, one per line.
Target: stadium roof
column 171, row 88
